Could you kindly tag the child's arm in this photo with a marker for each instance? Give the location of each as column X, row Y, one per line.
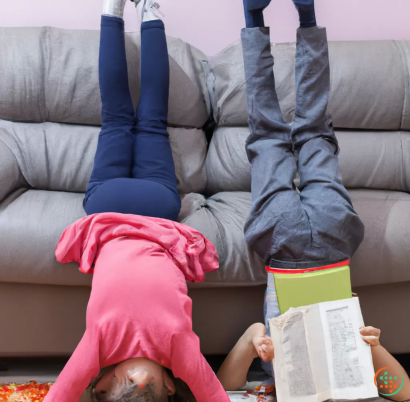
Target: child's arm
column 252, row 344
column 188, row 364
column 83, row 366
column 382, row 358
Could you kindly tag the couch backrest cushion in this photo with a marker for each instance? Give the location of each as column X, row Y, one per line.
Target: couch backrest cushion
column 51, row 74
column 22, row 62
column 60, row 157
column 369, row 84
column 368, row 159
column 370, row 90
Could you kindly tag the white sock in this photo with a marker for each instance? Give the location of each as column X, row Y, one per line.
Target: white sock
column 114, row 8
column 147, row 10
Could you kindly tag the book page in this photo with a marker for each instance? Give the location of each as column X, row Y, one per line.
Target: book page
column 351, row 366
column 293, row 373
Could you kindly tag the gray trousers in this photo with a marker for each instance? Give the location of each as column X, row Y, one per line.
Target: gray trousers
column 318, row 225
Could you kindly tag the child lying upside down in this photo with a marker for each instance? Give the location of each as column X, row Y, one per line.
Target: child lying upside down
column 318, row 225
column 254, row 342
column 139, row 313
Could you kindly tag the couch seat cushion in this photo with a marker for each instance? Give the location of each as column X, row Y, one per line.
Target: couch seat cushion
column 32, row 221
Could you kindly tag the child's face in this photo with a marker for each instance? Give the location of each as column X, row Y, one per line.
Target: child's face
column 133, row 377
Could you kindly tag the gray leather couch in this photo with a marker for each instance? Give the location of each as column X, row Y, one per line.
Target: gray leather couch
column 50, row 112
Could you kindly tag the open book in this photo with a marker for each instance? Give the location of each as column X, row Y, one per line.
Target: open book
column 320, row 354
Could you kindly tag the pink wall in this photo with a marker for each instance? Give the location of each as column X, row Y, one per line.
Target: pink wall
column 211, row 25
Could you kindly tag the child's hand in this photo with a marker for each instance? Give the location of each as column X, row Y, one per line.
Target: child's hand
column 370, row 335
column 264, row 348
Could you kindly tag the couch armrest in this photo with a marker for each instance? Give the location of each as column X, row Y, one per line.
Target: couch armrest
column 9, row 171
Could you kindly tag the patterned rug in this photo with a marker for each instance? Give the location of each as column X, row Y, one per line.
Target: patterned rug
column 30, row 392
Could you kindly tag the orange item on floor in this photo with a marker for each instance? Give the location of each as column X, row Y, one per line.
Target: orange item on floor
column 30, row 392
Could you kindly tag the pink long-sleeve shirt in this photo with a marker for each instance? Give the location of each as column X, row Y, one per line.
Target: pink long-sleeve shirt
column 139, row 304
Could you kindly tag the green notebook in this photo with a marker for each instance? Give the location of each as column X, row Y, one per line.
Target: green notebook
column 296, row 290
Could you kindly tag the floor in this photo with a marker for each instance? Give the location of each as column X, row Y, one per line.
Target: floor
column 47, row 369
column 22, row 370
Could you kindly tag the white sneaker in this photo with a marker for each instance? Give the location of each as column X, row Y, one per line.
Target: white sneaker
column 148, row 10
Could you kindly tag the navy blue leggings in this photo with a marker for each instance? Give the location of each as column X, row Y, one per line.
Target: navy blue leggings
column 134, row 171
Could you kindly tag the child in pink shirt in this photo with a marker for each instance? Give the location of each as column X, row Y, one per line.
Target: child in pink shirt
column 139, row 313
